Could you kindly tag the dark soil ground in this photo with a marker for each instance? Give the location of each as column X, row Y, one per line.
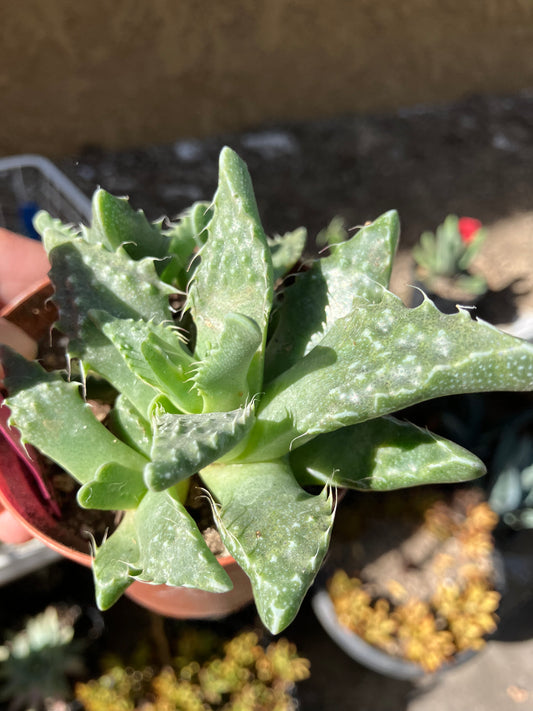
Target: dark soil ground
column 472, row 158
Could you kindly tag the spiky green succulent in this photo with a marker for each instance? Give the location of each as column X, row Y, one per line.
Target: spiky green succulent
column 268, row 392
column 447, row 255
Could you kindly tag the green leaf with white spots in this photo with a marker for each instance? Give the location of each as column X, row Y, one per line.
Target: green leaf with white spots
column 286, row 250
column 156, row 354
column 87, row 277
column 235, row 270
column 44, row 407
column 174, row 379
column 319, row 297
column 222, row 377
column 380, row 358
column 116, row 562
column 172, row 550
column 102, row 357
column 125, row 421
column 115, row 487
column 381, row 455
column 184, row 444
column 277, row 533
column 186, row 237
column 44, row 221
column 115, row 224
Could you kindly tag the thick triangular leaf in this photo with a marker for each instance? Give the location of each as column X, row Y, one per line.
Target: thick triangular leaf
column 44, row 221
column 173, row 378
column 155, row 354
column 286, row 250
column 102, row 357
column 235, row 271
column 275, row 531
column 44, row 407
column 125, row 421
column 326, row 293
column 300, row 316
column 88, row 277
column 380, row 358
column 115, row 487
column 184, row 444
column 115, row 563
column 115, row 223
column 172, row 550
column 222, row 377
column 186, row 237
column 381, row 455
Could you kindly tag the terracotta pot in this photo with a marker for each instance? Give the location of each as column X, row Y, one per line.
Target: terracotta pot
column 11, row 531
column 30, row 510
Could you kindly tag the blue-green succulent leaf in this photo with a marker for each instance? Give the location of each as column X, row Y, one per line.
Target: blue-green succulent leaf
column 235, row 270
column 184, row 444
column 275, row 531
column 114, row 487
column 186, row 237
column 44, row 408
column 125, row 421
column 102, row 357
column 173, row 378
column 319, row 297
column 44, row 221
column 115, row 224
column 381, row 455
column 172, row 550
column 222, row 377
column 286, row 250
column 87, row 277
column 156, row 354
column 380, row 358
column 116, row 562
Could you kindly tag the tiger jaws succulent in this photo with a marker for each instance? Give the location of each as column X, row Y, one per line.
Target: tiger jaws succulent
column 260, row 391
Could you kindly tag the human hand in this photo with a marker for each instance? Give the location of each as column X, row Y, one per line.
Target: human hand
column 22, row 264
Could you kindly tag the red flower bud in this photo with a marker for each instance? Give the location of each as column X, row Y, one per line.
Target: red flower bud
column 468, row 228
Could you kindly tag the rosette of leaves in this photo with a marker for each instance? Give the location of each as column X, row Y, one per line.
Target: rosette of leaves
column 36, row 664
column 266, row 393
column 448, row 253
column 240, row 676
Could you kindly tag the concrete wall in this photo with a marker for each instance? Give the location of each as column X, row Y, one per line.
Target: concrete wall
column 132, row 72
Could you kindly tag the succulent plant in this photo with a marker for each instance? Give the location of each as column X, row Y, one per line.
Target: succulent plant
column 510, row 478
column 447, row 254
column 241, row 676
column 432, row 609
column 260, row 392
column 37, row 663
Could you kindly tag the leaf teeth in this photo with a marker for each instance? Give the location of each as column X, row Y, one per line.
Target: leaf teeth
column 275, row 531
column 160, row 521
column 222, row 377
column 184, row 444
column 380, row 358
column 235, row 271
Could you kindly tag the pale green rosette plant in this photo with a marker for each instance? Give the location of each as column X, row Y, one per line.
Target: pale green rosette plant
column 267, row 392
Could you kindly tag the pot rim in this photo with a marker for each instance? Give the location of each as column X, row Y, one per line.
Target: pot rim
column 11, row 306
